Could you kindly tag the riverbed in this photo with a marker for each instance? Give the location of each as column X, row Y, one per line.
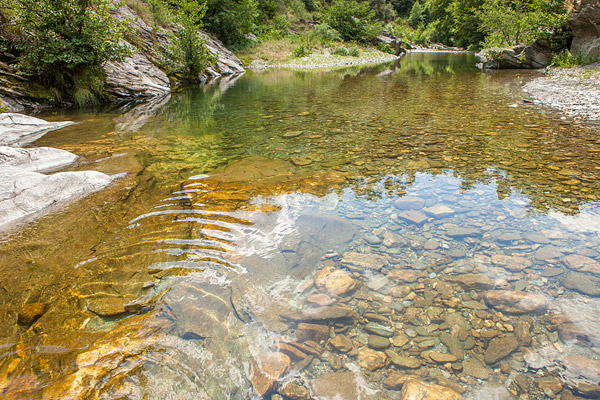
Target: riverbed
column 368, row 232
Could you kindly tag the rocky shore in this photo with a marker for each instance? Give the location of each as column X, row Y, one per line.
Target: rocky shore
column 573, row 91
column 26, row 183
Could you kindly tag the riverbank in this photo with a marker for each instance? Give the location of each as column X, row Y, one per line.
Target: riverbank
column 573, row 91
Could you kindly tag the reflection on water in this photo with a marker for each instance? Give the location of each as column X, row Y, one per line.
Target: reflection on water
column 368, row 232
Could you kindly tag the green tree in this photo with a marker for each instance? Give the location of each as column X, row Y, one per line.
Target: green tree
column 467, row 31
column 351, row 18
column 64, row 43
column 512, row 22
column 231, row 20
column 418, row 14
column 187, row 55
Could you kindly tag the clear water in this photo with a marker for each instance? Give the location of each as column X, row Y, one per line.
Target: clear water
column 201, row 259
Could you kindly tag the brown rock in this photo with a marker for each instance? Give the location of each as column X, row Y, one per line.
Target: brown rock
column 293, row 352
column 336, row 385
column 403, row 361
column 581, row 263
column 107, row 306
column 318, row 314
column 419, row 390
column 30, row 313
column 370, row 359
column 475, row 368
column 313, row 332
column 471, row 281
column 522, row 333
column 294, row 391
column 360, row 261
column 396, row 380
column 320, row 299
column 341, row 343
column 266, row 369
column 549, row 382
column 335, row 281
column 378, row 342
column 514, row 302
column 500, row 348
column 405, row 275
column 512, row 263
column 442, row 358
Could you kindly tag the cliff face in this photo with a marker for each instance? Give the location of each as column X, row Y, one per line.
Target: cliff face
column 135, row 79
column 585, row 23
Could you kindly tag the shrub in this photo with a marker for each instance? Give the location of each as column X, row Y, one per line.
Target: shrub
column 187, row 55
column 64, row 40
column 231, row 20
column 567, row 59
column 350, row 18
column 386, row 48
column 342, row 51
column 301, row 51
column 325, row 34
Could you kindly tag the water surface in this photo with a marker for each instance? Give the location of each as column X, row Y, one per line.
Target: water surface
column 382, row 205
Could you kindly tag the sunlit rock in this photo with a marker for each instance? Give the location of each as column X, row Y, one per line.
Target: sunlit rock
column 515, row 302
column 335, row 281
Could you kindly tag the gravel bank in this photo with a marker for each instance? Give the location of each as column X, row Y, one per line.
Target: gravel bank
column 573, row 91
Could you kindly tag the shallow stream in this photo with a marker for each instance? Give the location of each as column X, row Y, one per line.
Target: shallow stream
column 319, row 233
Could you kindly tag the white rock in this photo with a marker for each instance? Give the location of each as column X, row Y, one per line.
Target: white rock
column 36, row 159
column 18, row 129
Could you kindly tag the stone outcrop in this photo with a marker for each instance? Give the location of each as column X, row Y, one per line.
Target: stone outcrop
column 585, row 24
column 536, row 55
column 395, row 43
column 24, row 190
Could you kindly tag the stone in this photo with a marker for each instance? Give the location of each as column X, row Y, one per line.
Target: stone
column 581, row 263
column 442, row 358
column 551, row 383
column 314, row 332
column 419, row 390
column 292, row 351
column 500, row 348
column 580, row 283
column 378, row 343
column 294, row 391
column 403, row 361
column 523, row 333
column 30, row 313
column 462, row 232
column 372, row 239
column 341, row 343
column 439, row 211
column 18, row 130
column 376, row 282
column 413, row 216
column 319, row 314
column 335, row 281
column 475, row 368
column 370, row 359
column 585, row 24
column 515, row 302
column 457, row 320
column 547, row 253
column 336, row 385
column 512, row 263
column 409, row 203
column 378, row 329
column 107, row 306
column 23, row 193
column 320, row 299
column 455, row 347
column 471, row 281
column 395, row 380
column 399, row 341
column 36, row 159
column 406, row 275
column 266, row 369
column 361, row 262
column 536, row 55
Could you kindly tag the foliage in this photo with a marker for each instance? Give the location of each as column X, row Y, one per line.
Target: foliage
column 187, row 55
column 342, row 51
column 351, row 18
column 384, row 11
column 65, row 40
column 386, row 48
column 325, row 34
column 231, row 20
column 277, row 28
column 301, row 51
column 418, row 14
column 512, row 22
column 466, row 32
column 567, row 59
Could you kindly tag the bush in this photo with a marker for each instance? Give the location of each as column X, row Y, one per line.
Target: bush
column 231, row 20
column 325, row 34
column 301, row 51
column 342, row 51
column 350, row 18
column 64, row 40
column 386, row 48
column 567, row 59
column 187, row 55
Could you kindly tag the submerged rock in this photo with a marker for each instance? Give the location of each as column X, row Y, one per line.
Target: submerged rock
column 19, row 129
column 500, row 348
column 514, row 302
column 418, row 390
column 336, row 385
column 581, row 283
column 371, row 359
column 362, row 261
column 335, row 281
column 266, row 369
column 31, row 312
